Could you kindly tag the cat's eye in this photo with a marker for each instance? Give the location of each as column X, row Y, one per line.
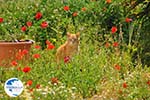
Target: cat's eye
column 75, row 39
column 70, row 39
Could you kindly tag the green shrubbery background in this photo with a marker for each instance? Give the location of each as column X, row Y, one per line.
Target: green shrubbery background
column 96, row 21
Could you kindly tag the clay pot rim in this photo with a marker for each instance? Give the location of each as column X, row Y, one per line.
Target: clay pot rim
column 13, row 42
column 3, row 43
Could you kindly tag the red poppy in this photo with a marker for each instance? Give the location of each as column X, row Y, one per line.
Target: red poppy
column 108, row 1
column 128, row 20
column 20, row 54
column 107, row 44
column 38, row 86
column 124, row 85
column 66, row 8
column 48, row 42
column 115, row 44
column 74, row 14
column 44, row 24
column 83, row 9
column 54, row 80
column 117, row 67
column 66, row 59
column 36, row 56
column 24, row 52
column 29, row 82
column 29, row 23
column 37, row 46
column 1, row 20
column 23, row 28
column 148, row 82
column 26, row 69
column 14, row 63
column 114, row 29
column 50, row 46
column 38, row 15
column 18, row 57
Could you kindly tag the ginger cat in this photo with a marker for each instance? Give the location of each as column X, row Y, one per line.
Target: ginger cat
column 69, row 48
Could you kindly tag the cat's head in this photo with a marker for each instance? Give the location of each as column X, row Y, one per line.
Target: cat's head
column 73, row 38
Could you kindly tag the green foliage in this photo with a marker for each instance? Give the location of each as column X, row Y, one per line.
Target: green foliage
column 90, row 72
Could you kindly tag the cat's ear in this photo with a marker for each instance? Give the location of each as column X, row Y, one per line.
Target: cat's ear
column 68, row 34
column 78, row 34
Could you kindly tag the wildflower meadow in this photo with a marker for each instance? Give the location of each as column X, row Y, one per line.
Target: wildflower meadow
column 113, row 61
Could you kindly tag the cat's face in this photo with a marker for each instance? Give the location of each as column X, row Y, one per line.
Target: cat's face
column 73, row 38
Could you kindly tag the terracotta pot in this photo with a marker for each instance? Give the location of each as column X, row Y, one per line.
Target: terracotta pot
column 9, row 51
